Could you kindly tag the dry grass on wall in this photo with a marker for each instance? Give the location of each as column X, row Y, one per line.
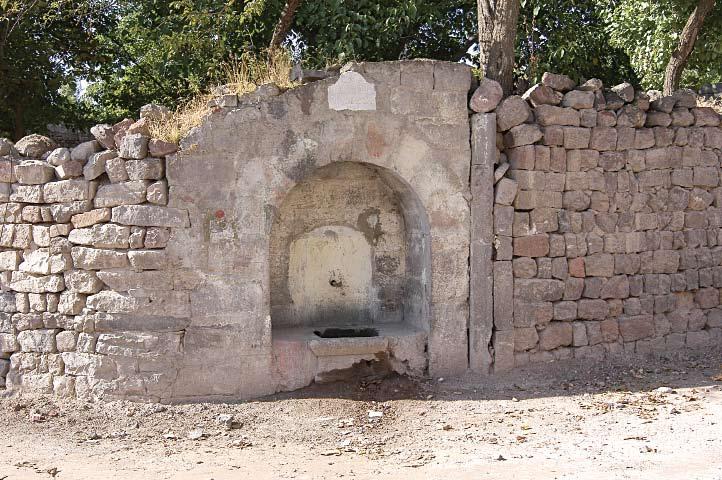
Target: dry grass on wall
column 241, row 75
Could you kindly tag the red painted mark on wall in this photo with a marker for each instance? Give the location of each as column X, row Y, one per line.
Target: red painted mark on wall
column 220, row 214
column 375, row 143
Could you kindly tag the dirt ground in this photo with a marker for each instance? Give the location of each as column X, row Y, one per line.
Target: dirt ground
column 648, row 420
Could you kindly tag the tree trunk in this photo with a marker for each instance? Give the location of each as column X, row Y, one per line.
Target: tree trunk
column 18, row 121
column 687, row 39
column 497, row 40
column 284, row 23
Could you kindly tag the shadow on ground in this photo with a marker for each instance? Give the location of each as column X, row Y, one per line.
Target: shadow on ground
column 684, row 369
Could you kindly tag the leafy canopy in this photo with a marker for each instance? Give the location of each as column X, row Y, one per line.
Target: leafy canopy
column 133, row 52
column 648, row 31
column 45, row 46
column 568, row 36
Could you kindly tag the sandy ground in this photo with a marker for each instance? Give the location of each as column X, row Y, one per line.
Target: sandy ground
column 562, row 421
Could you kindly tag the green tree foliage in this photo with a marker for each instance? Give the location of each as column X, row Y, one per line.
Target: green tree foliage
column 568, row 36
column 45, row 46
column 648, row 31
column 139, row 51
column 377, row 30
column 169, row 50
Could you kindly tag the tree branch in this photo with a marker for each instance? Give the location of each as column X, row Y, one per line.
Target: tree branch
column 284, row 23
column 687, row 39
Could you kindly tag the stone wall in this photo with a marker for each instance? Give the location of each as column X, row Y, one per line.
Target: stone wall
column 607, row 222
column 132, row 270
column 572, row 221
column 82, row 258
column 258, row 173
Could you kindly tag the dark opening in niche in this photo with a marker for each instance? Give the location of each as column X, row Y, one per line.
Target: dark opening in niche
column 346, row 332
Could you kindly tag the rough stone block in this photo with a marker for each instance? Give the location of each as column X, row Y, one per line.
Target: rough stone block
column 157, row 193
column 578, row 99
column 565, row 311
column 63, row 212
column 28, row 283
column 82, row 152
column 126, row 193
column 66, row 191
column 96, row 164
column 7, row 173
column 524, row 267
column 576, row 137
column 69, row 170
column 104, row 135
column 97, row 259
column 553, row 135
column 484, row 99
column 124, row 281
column 106, row 235
column 544, row 220
column 8, row 343
column 71, row 303
column 521, row 158
column 146, row 169
column 707, row 298
column 555, row 335
column 550, row 115
column 133, row 146
column 42, row 262
column 593, row 309
column 531, row 199
column 37, row 341
column 539, row 289
column 599, row 265
column 27, row 193
column 503, row 220
column 609, row 330
column 113, row 302
column 10, row 260
column 506, row 191
column 658, row 119
column 573, row 288
column 532, row 246
column 66, row 341
column 115, row 168
column 561, row 83
column 603, row 138
column 576, row 201
column 579, row 334
column 87, row 219
column 530, row 314
column 705, row 176
column 542, row 95
column 512, row 111
column 94, row 366
column 636, row 328
column 33, row 172
column 524, row 134
column 503, row 295
column 616, row 287
column 525, row 339
column 82, row 281
column 503, row 350
column 150, row 215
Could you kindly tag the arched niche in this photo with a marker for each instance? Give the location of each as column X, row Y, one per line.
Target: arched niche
column 350, row 245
